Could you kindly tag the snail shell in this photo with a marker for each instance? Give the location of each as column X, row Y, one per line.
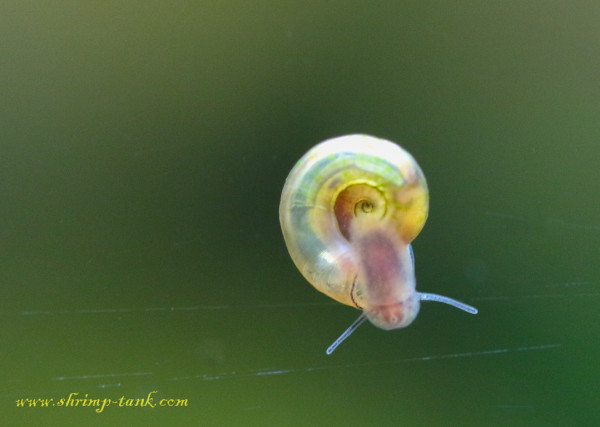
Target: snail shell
column 349, row 209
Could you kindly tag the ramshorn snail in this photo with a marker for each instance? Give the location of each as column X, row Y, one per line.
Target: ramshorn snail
column 349, row 210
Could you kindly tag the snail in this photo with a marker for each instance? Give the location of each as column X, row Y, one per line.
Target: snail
column 349, row 210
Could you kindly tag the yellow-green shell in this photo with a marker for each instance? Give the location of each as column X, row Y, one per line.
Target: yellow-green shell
column 344, row 187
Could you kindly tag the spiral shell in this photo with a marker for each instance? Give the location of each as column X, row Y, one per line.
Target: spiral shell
column 349, row 209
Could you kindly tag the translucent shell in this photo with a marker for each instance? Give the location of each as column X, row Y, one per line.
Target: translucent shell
column 349, row 209
column 338, row 192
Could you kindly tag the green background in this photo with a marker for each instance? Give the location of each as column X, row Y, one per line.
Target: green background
column 143, row 149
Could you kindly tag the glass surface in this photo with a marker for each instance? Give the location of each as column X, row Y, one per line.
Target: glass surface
column 143, row 149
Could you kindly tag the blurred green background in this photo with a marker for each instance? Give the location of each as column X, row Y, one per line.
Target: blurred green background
column 143, row 149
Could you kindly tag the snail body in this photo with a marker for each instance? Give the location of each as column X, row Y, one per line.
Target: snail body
column 349, row 210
